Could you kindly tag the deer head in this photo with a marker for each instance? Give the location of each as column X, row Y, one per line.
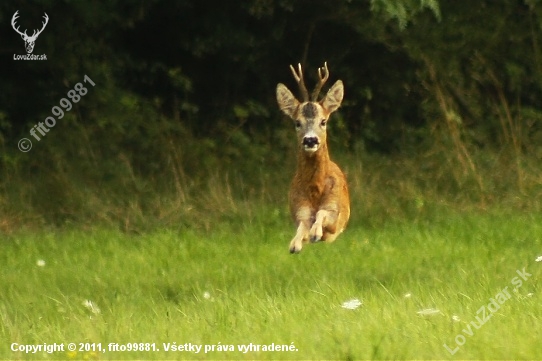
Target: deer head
column 310, row 116
column 29, row 41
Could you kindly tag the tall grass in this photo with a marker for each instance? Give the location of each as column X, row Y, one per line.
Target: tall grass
column 38, row 192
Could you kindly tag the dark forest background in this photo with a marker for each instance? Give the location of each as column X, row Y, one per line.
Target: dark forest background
column 442, row 109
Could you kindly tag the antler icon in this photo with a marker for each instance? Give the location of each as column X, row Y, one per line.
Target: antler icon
column 29, row 41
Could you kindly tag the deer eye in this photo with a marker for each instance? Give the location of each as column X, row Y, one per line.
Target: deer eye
column 298, row 124
column 323, row 123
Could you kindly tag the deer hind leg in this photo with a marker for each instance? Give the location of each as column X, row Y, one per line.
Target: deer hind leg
column 326, row 221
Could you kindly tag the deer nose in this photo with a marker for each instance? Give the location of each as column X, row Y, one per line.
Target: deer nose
column 310, row 142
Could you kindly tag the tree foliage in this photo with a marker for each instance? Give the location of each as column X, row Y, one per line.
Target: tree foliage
column 189, row 86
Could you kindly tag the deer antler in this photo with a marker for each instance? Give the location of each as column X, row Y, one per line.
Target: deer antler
column 43, row 27
column 25, row 35
column 298, row 76
column 323, row 75
column 13, row 20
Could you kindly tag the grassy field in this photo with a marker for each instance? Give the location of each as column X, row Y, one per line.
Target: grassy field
column 421, row 286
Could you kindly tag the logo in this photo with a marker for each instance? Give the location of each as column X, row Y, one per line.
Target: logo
column 29, row 41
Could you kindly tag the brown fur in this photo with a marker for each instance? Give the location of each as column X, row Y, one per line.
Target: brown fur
column 318, row 197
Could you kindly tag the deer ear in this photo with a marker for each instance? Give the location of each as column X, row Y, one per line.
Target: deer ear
column 287, row 102
column 334, row 97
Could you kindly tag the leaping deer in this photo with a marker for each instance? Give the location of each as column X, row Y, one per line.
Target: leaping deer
column 318, row 197
column 29, row 41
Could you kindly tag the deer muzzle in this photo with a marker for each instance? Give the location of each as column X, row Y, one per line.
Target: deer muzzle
column 310, row 144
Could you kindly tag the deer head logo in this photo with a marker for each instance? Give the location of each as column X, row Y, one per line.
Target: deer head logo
column 29, row 41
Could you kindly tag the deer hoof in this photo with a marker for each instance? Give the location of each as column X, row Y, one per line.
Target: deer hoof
column 315, row 238
column 294, row 249
column 315, row 234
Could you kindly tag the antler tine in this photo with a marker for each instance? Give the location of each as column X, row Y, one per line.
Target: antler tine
column 14, row 20
column 298, row 76
column 323, row 75
column 44, row 24
column 46, row 19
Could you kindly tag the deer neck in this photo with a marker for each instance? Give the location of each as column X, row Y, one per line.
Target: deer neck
column 312, row 168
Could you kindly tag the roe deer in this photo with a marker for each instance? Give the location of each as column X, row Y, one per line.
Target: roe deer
column 318, row 197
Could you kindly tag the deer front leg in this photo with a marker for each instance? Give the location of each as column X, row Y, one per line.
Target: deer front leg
column 302, row 234
column 325, row 219
column 303, row 220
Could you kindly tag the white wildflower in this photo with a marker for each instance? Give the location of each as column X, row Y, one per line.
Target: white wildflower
column 538, row 259
column 455, row 318
column 91, row 306
column 428, row 312
column 407, row 295
column 351, row 304
column 40, row 263
column 206, row 295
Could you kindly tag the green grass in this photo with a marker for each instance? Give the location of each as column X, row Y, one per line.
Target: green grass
column 237, row 284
